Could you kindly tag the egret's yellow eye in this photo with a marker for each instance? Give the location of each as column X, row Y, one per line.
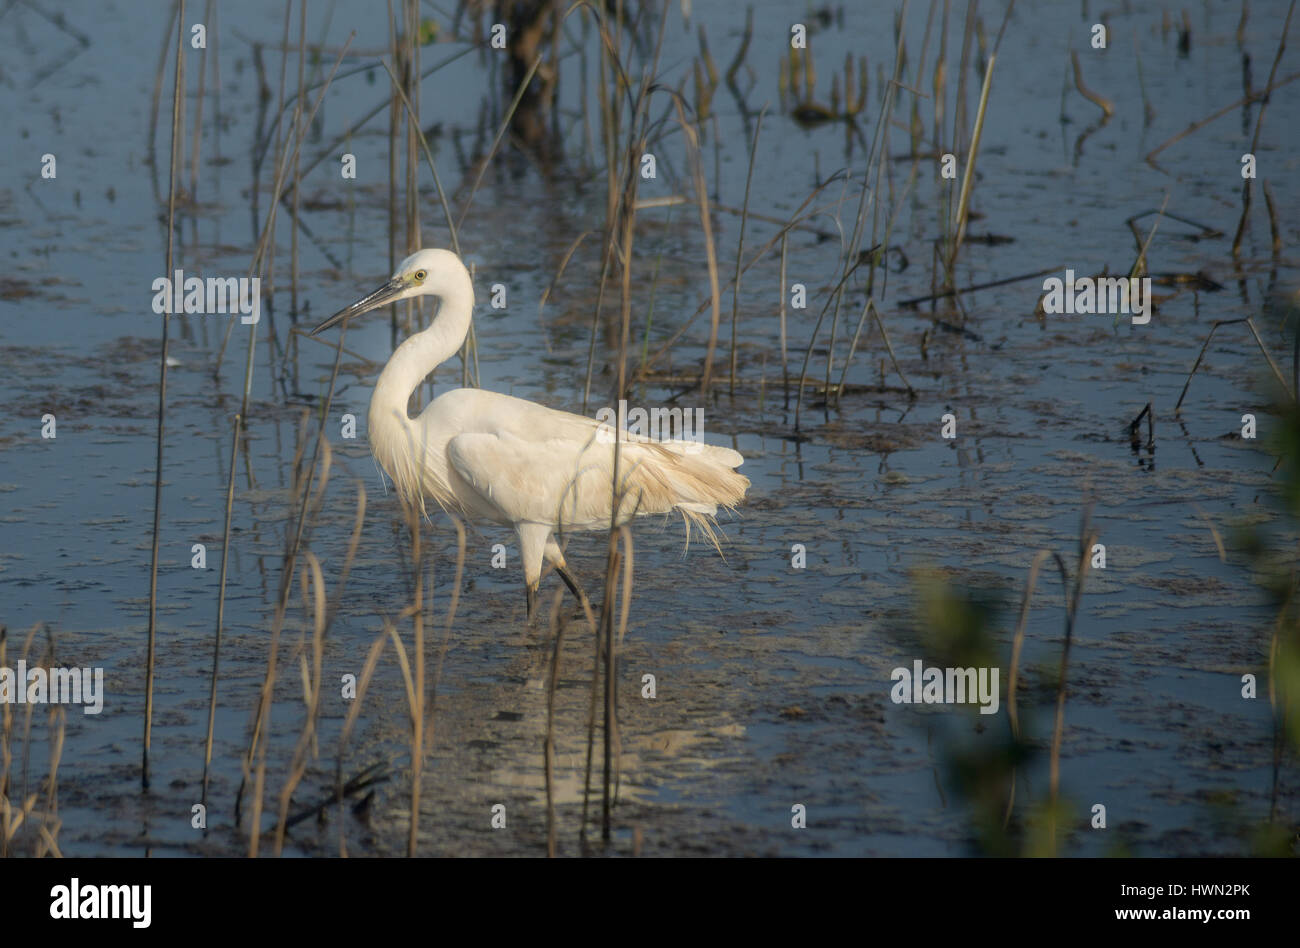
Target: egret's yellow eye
column 420, row 275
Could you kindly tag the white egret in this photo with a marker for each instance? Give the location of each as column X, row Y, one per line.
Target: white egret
column 489, row 457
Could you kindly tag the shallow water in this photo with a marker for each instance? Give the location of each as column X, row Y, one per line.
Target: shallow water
column 773, row 684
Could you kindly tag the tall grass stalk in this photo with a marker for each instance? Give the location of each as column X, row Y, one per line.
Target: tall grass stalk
column 162, row 399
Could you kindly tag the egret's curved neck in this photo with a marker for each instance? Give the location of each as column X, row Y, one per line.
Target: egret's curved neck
column 421, row 354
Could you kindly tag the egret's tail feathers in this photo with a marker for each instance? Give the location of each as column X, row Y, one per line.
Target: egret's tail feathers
column 703, row 518
column 724, row 456
column 713, row 453
column 695, row 483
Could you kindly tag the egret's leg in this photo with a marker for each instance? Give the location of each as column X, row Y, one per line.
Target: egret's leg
column 574, row 588
column 555, row 556
column 570, row 582
column 532, row 543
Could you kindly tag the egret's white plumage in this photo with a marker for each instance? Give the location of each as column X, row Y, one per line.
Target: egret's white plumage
column 494, row 458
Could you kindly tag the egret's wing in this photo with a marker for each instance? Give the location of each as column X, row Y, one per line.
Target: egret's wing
column 553, row 480
column 568, row 482
column 528, row 463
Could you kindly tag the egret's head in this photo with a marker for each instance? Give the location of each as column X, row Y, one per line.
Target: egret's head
column 425, row 272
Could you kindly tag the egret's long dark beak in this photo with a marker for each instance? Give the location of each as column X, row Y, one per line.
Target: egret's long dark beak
column 380, row 297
